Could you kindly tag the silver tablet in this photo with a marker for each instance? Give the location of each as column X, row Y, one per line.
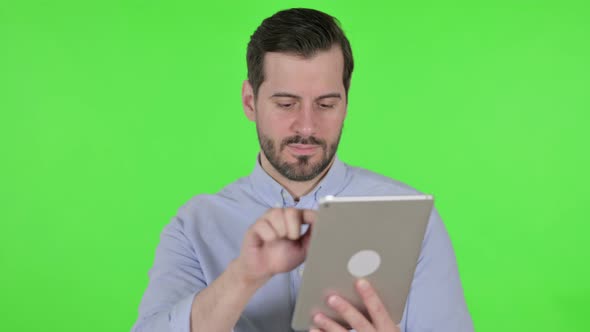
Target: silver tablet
column 377, row 238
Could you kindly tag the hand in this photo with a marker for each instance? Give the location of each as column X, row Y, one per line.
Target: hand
column 274, row 244
column 380, row 319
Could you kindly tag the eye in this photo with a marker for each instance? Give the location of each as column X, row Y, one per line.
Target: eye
column 285, row 105
column 326, row 106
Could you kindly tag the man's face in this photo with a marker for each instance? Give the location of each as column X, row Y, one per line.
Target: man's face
column 299, row 112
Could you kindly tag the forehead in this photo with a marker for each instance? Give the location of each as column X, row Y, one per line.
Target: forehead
column 321, row 73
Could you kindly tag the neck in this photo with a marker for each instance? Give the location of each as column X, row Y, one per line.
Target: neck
column 297, row 189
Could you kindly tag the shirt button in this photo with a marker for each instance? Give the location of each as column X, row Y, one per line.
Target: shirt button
column 301, row 271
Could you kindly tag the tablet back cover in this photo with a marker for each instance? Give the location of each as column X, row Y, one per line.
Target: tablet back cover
column 390, row 227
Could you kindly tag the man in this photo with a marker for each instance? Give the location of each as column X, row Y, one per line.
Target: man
column 233, row 260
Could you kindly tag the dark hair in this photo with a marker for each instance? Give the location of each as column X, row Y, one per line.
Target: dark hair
column 299, row 31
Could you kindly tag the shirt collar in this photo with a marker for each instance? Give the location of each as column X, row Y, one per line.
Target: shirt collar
column 274, row 195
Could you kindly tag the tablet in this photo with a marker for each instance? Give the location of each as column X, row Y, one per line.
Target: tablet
column 378, row 238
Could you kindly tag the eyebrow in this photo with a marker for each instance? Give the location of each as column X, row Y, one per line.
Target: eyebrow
column 290, row 95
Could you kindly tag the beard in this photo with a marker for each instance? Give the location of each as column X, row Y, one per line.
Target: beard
column 302, row 169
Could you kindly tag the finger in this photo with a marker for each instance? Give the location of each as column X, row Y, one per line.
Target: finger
column 277, row 221
column 350, row 314
column 264, row 230
column 309, row 216
column 327, row 324
column 293, row 220
column 306, row 238
column 374, row 305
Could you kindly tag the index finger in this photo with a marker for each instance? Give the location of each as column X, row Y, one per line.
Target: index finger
column 309, row 217
column 294, row 218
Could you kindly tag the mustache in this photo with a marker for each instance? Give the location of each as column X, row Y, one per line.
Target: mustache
column 301, row 140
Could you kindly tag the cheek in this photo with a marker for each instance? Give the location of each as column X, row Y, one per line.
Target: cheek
column 279, row 123
column 275, row 127
column 331, row 127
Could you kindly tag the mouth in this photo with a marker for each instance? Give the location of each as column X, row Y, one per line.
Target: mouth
column 303, row 149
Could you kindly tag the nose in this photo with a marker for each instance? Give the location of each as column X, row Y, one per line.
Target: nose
column 305, row 123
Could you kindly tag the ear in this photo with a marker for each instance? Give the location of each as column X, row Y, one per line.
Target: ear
column 347, row 94
column 345, row 109
column 248, row 101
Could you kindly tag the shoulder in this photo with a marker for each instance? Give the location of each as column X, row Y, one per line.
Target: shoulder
column 233, row 192
column 365, row 182
column 232, row 203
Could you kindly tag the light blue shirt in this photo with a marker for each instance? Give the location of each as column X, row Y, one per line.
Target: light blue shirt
column 207, row 233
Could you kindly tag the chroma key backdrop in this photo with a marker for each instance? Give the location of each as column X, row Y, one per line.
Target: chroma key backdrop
column 115, row 113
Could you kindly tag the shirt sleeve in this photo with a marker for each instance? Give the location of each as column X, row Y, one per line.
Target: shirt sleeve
column 436, row 302
column 174, row 280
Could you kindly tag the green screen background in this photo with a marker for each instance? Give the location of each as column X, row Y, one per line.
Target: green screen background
column 114, row 113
